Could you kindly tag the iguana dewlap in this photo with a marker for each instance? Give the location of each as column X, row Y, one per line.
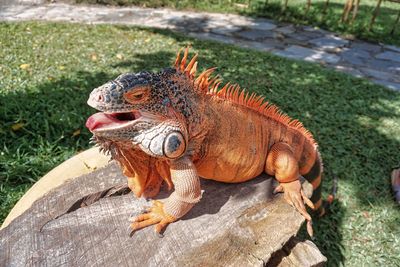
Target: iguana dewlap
column 175, row 127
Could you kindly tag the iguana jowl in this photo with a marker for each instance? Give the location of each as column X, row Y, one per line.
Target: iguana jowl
column 174, row 126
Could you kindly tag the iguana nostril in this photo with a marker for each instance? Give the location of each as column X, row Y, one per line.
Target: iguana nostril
column 100, row 98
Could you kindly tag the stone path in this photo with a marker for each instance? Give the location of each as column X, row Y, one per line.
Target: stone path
column 377, row 62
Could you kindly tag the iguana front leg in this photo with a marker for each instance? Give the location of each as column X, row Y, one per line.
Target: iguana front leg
column 187, row 193
column 145, row 174
column 282, row 163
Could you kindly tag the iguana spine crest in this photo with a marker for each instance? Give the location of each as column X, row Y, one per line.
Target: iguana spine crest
column 209, row 85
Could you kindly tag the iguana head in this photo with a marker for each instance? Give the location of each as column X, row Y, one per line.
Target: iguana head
column 136, row 102
column 130, row 103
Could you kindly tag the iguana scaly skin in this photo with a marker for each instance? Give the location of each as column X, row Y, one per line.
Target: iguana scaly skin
column 174, row 126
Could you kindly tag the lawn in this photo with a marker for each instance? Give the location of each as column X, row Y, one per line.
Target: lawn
column 296, row 13
column 48, row 69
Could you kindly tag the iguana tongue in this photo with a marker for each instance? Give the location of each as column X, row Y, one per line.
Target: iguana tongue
column 100, row 119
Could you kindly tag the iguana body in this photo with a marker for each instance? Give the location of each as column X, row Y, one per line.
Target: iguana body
column 172, row 126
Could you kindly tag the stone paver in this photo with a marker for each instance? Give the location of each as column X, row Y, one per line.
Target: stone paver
column 392, row 47
column 369, row 47
column 352, row 58
column 255, row 34
column 391, row 85
column 385, row 65
column 300, row 36
column 349, row 70
column 211, row 36
column 377, row 62
column 376, row 74
column 286, row 29
column 389, row 55
column 355, row 52
column 329, row 42
column 225, row 30
column 262, row 25
column 307, row 54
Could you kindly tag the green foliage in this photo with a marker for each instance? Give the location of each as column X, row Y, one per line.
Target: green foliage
column 48, row 70
column 296, row 13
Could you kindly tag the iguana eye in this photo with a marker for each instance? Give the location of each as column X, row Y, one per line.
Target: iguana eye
column 137, row 95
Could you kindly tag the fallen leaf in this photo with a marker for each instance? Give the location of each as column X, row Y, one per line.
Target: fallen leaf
column 24, row 66
column 17, row 126
column 93, row 57
column 119, row 56
column 77, row 132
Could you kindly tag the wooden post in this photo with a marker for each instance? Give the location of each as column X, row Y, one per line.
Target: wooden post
column 346, row 11
column 376, row 12
column 326, row 6
column 308, row 6
column 355, row 11
column 395, row 23
column 285, row 6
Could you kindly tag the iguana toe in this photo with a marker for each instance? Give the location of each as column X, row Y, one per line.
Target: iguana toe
column 155, row 215
column 294, row 195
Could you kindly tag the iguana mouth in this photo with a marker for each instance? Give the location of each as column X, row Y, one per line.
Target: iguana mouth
column 101, row 121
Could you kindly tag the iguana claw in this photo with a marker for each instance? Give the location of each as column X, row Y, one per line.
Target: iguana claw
column 294, row 195
column 154, row 215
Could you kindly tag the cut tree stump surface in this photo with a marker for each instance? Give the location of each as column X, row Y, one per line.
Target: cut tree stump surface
column 85, row 222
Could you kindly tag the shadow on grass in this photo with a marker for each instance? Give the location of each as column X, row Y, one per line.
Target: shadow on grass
column 151, row 61
column 51, row 114
column 51, row 121
column 346, row 115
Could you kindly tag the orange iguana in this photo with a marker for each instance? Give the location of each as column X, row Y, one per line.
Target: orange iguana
column 173, row 126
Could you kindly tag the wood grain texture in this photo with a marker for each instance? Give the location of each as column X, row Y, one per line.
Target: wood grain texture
column 298, row 253
column 85, row 223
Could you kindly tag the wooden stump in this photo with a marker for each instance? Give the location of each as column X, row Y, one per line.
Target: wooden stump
column 85, row 222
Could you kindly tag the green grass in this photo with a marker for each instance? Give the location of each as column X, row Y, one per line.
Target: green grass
column 296, row 13
column 356, row 123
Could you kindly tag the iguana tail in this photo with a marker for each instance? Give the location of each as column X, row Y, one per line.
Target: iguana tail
column 332, row 196
column 314, row 177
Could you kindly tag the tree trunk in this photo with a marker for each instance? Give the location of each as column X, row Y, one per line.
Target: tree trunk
column 85, row 222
